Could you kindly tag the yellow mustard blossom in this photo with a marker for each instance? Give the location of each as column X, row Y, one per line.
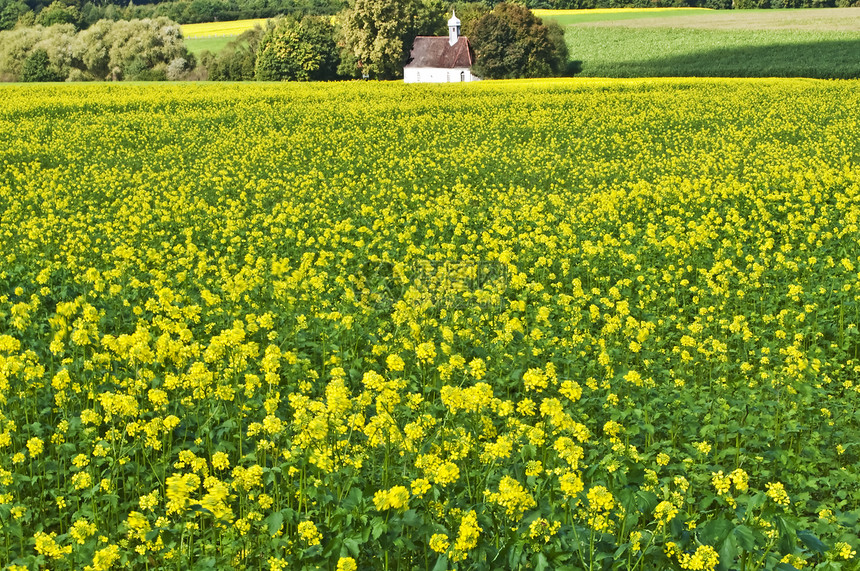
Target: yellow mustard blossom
column 512, row 497
column 705, row 558
column 439, row 542
column 309, row 533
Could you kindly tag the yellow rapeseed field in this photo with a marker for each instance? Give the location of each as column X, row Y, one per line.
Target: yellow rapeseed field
column 216, row 29
column 557, row 324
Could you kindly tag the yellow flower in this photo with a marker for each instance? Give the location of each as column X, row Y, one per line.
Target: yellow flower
column 220, row 461
column 571, row 484
column 35, row 446
column 467, row 537
column 426, row 352
column 777, row 493
column 395, row 363
column 105, row 558
column 543, row 530
column 665, row 512
column 439, row 542
column 477, row 368
column 513, row 497
column 309, row 533
column 420, row 486
column 534, row 468
column 447, row 473
column 46, row 545
column 396, row 498
column 81, row 530
column 843, row 550
column 704, row 559
column 346, row 564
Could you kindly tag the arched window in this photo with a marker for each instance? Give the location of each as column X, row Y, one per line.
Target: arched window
column 462, row 76
column 448, row 76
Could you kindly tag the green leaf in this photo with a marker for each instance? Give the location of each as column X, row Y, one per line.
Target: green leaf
column 728, row 554
column 829, row 566
column 441, row 564
column 351, row 544
column 541, row 564
column 744, row 537
column 514, row 556
column 715, row 531
column 377, row 527
column 275, row 521
column 810, row 541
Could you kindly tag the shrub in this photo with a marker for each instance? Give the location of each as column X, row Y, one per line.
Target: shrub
column 37, row 67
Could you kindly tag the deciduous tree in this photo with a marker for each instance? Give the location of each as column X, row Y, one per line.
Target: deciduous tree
column 379, row 33
column 298, row 51
column 37, row 67
column 512, row 42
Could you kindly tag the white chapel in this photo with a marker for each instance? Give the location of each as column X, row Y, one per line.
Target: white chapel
column 436, row 59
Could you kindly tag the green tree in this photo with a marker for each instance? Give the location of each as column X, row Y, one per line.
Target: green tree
column 138, row 45
column 237, row 60
column 37, row 67
column 379, row 33
column 512, row 42
column 10, row 11
column 59, row 13
column 298, row 51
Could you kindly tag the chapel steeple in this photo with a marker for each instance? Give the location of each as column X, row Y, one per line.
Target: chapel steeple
column 453, row 28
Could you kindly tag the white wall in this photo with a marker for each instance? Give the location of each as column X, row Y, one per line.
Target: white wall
column 437, row 75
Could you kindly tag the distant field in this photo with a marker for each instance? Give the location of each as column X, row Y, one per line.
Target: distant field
column 217, row 29
column 674, row 42
column 200, row 45
column 567, row 17
column 213, row 36
column 707, row 43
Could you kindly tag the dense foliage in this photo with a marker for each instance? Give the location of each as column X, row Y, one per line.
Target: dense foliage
column 379, row 33
column 136, row 49
column 237, row 61
column 298, row 51
column 511, row 42
column 569, row 324
column 86, row 12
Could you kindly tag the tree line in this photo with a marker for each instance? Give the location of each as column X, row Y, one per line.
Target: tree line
column 147, row 49
column 371, row 38
column 368, row 38
column 85, row 13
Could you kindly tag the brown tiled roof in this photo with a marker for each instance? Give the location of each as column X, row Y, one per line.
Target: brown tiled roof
column 435, row 51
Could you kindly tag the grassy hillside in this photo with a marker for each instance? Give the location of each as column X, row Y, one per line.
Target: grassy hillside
column 756, row 43
column 213, row 36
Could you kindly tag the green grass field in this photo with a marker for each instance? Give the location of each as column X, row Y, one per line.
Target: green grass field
column 214, row 45
column 213, row 36
column 705, row 43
